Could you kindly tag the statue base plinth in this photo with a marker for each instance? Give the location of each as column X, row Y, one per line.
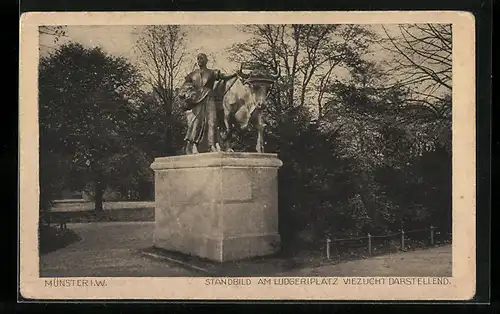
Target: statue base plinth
column 219, row 206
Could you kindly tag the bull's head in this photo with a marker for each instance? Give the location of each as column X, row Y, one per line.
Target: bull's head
column 260, row 84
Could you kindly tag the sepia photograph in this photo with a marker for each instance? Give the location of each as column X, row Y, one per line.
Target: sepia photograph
column 307, row 154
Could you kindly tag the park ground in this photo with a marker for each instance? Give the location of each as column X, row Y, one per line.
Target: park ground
column 114, row 249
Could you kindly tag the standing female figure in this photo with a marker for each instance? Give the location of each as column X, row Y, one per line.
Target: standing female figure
column 206, row 109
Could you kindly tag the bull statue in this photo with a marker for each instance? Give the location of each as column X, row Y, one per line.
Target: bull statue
column 243, row 99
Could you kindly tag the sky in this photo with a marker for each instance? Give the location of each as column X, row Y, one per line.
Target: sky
column 211, row 39
column 120, row 41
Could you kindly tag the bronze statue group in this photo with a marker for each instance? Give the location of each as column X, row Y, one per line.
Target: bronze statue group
column 209, row 108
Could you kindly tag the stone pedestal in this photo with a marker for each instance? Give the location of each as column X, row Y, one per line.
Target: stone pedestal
column 220, row 206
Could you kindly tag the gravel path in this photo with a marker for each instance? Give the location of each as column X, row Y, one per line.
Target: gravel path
column 107, row 249
column 434, row 262
column 111, row 249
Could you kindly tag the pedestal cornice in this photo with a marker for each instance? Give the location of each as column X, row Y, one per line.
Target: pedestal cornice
column 219, row 159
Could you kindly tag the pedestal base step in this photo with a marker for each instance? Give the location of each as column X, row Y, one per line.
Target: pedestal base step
column 221, row 250
column 270, row 265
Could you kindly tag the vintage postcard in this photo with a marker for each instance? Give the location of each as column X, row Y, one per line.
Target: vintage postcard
column 247, row 156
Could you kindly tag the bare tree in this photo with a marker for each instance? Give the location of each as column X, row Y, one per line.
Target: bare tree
column 162, row 51
column 54, row 32
column 346, row 47
column 422, row 62
column 307, row 54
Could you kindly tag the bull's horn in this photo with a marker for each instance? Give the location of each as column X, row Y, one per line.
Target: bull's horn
column 277, row 74
column 241, row 74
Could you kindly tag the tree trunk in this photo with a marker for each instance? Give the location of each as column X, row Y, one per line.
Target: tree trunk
column 320, row 113
column 99, row 192
column 169, row 147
